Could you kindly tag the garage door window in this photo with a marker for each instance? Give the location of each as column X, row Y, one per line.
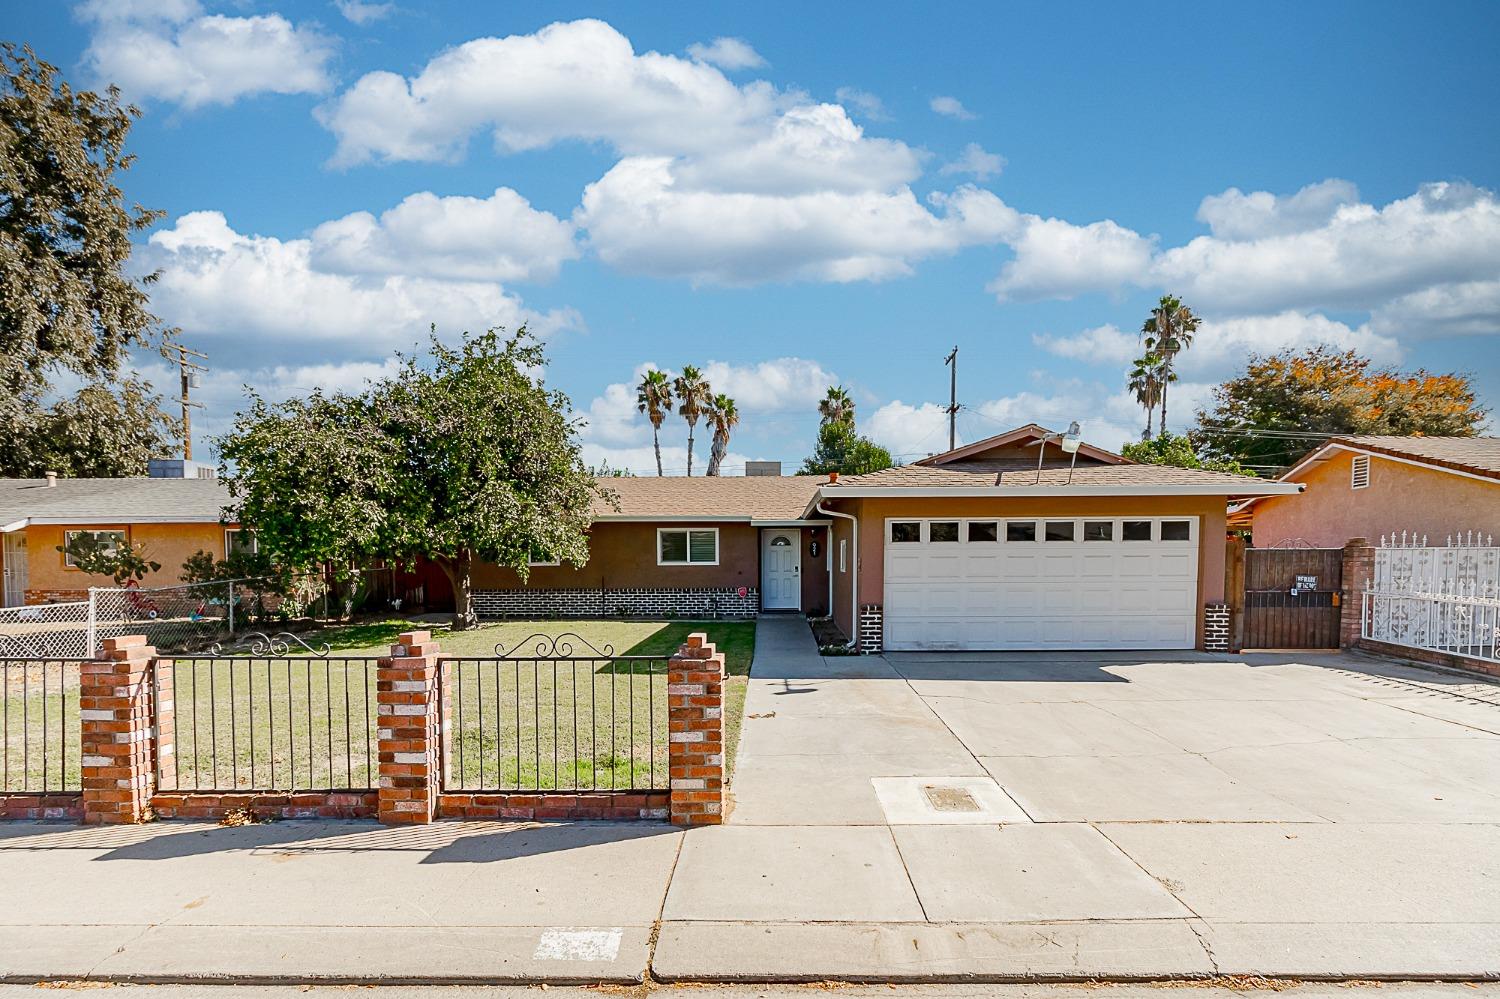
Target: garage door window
column 943, row 532
column 1136, row 530
column 905, row 532
column 983, row 531
column 1018, row 530
column 1176, row 530
column 1098, row 530
column 1060, row 530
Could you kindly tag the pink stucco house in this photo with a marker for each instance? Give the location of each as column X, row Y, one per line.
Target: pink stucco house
column 1367, row 486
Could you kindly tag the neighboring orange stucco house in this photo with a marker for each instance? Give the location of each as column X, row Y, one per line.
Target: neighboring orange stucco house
column 1373, row 486
column 170, row 518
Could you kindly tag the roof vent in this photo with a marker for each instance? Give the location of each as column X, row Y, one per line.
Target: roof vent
column 1359, row 472
column 772, row 468
column 51, row 479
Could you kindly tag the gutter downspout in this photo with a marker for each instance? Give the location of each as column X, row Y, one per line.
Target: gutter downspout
column 853, row 575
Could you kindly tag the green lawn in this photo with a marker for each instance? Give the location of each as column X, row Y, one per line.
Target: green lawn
column 311, row 723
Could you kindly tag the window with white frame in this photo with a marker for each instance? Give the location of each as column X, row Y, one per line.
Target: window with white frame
column 104, row 541
column 239, row 540
column 1359, row 472
column 687, row 546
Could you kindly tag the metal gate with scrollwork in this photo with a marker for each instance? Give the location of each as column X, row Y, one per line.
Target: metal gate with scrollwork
column 1292, row 598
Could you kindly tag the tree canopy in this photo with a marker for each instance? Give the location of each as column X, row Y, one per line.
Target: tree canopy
column 1325, row 391
column 841, row 449
column 1178, row 451
column 463, row 455
column 67, row 302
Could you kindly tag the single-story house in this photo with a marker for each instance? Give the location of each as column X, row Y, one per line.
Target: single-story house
column 1368, row 486
column 169, row 516
column 975, row 548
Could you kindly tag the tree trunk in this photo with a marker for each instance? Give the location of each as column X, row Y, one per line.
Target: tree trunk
column 1166, row 377
column 690, row 448
column 459, row 570
column 716, row 455
column 1150, row 412
column 656, row 441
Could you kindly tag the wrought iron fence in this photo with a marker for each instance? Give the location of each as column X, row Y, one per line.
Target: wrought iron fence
column 40, row 732
column 279, row 716
column 1462, row 623
column 555, row 714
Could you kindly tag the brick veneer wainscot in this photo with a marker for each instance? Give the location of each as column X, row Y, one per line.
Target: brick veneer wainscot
column 641, row 602
column 695, row 732
column 406, row 695
column 115, row 714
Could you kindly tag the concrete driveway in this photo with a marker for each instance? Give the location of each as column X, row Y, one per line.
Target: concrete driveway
column 1097, row 814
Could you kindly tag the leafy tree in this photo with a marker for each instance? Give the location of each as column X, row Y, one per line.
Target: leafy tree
column 65, row 298
column 66, row 301
column 723, row 416
column 1146, row 383
column 836, row 407
column 461, row 457
column 693, row 394
column 119, row 560
column 840, row 449
column 1167, row 332
column 255, row 573
column 98, row 433
column 1325, row 391
column 1178, row 451
column 653, row 396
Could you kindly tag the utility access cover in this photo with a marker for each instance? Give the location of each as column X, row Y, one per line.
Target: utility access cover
column 950, row 799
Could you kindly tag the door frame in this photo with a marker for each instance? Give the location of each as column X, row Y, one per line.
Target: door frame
column 14, row 555
column 765, row 543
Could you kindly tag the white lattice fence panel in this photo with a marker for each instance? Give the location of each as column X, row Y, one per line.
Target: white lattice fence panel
column 46, row 630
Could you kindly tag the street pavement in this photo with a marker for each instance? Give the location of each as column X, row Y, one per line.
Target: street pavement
column 907, row 819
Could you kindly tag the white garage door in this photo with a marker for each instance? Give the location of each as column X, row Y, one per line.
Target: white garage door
column 1041, row 583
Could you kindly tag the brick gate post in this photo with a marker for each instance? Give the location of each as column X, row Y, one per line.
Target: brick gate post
column 1358, row 570
column 411, row 730
column 115, row 714
column 695, row 733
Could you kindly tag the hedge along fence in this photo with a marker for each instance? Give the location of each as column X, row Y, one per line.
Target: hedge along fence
column 132, row 735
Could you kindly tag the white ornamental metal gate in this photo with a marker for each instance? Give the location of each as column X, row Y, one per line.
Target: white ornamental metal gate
column 1444, row 598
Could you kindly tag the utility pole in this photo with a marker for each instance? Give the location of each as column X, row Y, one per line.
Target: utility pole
column 189, row 371
column 952, row 361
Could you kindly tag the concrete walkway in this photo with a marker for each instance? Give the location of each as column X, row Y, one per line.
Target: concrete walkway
column 908, row 818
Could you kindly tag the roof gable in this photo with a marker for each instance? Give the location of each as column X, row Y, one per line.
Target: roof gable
column 1012, row 446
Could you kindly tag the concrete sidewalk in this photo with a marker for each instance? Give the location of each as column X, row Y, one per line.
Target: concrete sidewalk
column 908, row 819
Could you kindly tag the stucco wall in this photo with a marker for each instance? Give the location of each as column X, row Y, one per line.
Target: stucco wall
column 624, row 555
column 169, row 544
column 1400, row 497
column 872, row 514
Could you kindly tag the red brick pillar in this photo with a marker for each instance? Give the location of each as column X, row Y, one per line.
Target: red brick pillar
column 695, row 736
column 1359, row 570
column 115, row 712
column 410, row 734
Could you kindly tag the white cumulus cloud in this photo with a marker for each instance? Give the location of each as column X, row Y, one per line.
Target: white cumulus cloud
column 869, row 106
column 951, row 107
column 727, row 53
column 1235, row 215
column 1057, row 259
column 976, row 162
column 499, row 238
column 363, row 12
column 174, row 52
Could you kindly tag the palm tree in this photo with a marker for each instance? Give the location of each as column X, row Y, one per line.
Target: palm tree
column 723, row 416
column 693, row 394
column 653, row 396
column 1145, row 382
column 836, row 407
column 1167, row 332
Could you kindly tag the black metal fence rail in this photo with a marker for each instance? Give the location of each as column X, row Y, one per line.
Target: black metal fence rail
column 40, row 730
column 555, row 714
column 267, row 723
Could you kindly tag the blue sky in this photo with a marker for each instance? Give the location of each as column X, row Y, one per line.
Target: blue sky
column 828, row 193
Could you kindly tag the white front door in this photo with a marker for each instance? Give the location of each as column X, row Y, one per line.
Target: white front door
column 781, row 569
column 15, row 569
column 1041, row 583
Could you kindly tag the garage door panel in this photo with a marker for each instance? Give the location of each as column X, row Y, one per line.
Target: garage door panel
column 1041, row 595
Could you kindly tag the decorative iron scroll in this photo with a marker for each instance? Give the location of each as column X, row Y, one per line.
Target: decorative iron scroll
column 554, row 647
column 280, row 644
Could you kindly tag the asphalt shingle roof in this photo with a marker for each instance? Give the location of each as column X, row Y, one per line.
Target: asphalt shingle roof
column 112, row 501
column 1480, row 455
column 753, row 497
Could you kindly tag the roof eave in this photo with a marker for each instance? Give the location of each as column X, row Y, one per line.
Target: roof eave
column 866, row 492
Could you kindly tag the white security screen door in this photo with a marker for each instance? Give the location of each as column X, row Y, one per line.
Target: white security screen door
column 1041, row 583
column 15, row 569
column 781, row 569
